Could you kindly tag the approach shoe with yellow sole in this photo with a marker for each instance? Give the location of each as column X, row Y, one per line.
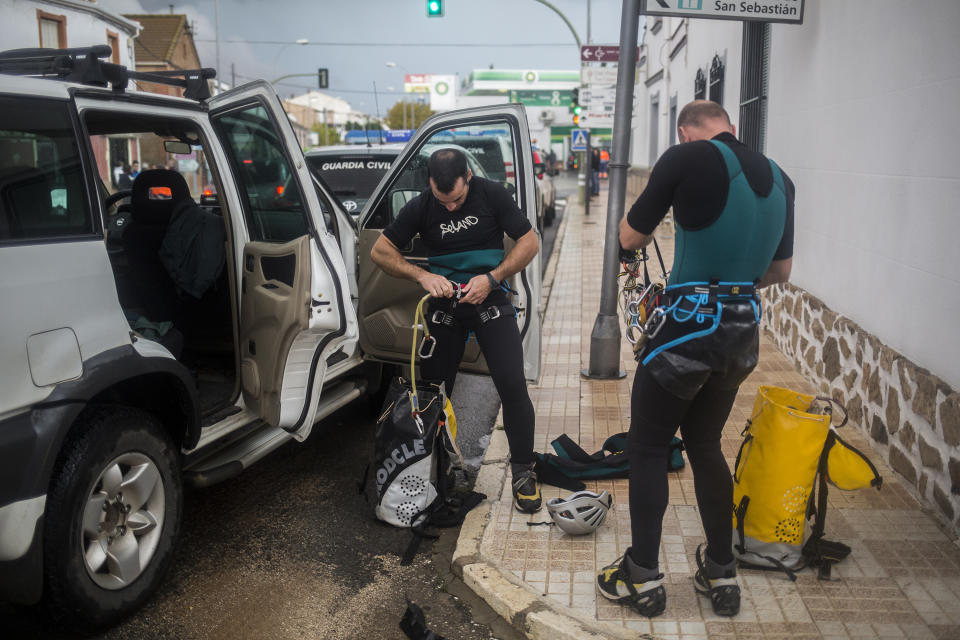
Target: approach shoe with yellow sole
column 526, row 489
column 723, row 591
column 648, row 598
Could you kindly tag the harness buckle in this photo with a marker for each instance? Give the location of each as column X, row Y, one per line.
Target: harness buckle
column 491, row 313
column 433, row 345
column 439, row 317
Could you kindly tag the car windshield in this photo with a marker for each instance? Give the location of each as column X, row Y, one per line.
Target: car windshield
column 351, row 177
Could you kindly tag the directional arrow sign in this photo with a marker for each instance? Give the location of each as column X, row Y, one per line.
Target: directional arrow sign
column 790, row 11
column 602, row 53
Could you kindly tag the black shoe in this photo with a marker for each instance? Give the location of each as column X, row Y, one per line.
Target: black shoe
column 526, row 489
column 648, row 598
column 724, row 592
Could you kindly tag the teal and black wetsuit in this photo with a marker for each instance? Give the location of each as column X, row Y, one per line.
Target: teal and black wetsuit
column 460, row 245
column 733, row 210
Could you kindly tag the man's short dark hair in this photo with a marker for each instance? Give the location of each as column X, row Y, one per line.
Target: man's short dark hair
column 694, row 113
column 445, row 166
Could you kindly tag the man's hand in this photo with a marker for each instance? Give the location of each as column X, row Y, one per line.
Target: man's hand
column 476, row 290
column 437, row 286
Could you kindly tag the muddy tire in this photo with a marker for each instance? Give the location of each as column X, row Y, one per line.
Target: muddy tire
column 112, row 518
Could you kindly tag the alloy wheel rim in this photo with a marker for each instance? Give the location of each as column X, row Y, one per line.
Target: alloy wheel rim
column 122, row 520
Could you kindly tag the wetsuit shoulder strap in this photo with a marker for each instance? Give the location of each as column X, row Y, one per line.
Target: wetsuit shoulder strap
column 729, row 158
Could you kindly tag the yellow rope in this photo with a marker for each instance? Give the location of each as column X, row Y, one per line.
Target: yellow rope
column 418, row 317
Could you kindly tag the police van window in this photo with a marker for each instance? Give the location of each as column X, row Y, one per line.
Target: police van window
column 268, row 186
column 490, row 152
column 351, row 176
column 42, row 189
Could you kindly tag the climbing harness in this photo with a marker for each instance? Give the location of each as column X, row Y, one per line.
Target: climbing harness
column 448, row 317
column 700, row 301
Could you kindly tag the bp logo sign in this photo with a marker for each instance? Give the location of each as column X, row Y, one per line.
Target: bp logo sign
column 441, row 88
column 530, row 76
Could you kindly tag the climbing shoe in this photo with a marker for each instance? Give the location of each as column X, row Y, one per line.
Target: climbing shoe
column 526, row 489
column 723, row 590
column 648, row 597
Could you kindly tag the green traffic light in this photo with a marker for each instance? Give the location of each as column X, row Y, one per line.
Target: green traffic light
column 434, row 8
column 577, row 109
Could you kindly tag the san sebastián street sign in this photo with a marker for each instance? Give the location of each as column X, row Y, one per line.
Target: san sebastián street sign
column 790, row 11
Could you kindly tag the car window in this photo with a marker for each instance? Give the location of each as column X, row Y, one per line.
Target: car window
column 268, row 187
column 42, row 189
column 490, row 154
column 351, row 177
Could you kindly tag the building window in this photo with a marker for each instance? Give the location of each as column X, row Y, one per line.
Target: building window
column 673, row 120
column 753, row 84
column 53, row 30
column 654, row 128
column 700, row 86
column 716, row 80
column 113, row 40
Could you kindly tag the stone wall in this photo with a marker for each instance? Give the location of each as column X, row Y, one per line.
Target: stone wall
column 911, row 416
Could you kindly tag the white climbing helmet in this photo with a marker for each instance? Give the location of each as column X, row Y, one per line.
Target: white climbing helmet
column 581, row 512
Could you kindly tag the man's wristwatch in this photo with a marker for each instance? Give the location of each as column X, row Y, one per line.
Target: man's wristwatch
column 493, row 281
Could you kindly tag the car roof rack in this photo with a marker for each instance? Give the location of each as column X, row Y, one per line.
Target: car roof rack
column 84, row 65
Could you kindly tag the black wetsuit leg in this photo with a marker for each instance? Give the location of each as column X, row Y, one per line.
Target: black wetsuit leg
column 503, row 350
column 656, row 414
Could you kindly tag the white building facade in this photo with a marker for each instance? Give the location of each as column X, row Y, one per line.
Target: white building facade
column 857, row 105
column 60, row 24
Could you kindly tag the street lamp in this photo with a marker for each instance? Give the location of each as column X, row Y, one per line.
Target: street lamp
column 276, row 58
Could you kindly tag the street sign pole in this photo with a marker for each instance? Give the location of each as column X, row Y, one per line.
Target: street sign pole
column 605, row 338
column 588, row 169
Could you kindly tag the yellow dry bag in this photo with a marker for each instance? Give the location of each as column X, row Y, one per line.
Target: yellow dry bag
column 788, row 443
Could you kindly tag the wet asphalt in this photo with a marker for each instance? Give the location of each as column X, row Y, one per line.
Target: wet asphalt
column 288, row 549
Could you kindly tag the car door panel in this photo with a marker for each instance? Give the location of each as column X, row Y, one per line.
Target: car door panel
column 295, row 305
column 387, row 304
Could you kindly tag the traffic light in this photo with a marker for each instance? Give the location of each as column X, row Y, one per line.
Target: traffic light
column 323, row 79
column 576, row 119
column 434, row 8
column 575, row 100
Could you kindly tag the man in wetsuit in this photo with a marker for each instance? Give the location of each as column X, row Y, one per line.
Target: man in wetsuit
column 734, row 234
column 461, row 220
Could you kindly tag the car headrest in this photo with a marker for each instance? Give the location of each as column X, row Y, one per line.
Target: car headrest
column 155, row 193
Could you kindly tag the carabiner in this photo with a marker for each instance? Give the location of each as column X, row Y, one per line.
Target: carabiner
column 433, row 345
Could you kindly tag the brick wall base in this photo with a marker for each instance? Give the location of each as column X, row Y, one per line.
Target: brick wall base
column 911, row 416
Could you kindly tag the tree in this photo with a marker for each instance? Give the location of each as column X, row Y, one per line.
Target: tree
column 326, row 134
column 419, row 111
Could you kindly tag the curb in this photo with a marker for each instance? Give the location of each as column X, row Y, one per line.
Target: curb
column 527, row 611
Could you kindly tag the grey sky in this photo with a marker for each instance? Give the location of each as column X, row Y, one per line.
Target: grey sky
column 353, row 69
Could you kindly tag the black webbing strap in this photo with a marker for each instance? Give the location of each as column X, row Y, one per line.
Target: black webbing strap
column 414, row 624
column 663, row 268
column 740, row 511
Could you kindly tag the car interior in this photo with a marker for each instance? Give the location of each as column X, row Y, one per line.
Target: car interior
column 169, row 250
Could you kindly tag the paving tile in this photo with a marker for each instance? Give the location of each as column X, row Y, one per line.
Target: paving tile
column 901, row 580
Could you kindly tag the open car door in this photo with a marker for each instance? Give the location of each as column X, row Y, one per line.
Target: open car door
column 387, row 304
column 295, row 307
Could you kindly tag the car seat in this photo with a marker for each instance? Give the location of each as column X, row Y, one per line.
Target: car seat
column 155, row 195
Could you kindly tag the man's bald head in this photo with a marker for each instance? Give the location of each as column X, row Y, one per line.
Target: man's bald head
column 702, row 120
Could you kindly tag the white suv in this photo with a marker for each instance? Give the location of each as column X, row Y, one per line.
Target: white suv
column 179, row 331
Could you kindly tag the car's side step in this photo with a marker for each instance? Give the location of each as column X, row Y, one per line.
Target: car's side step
column 239, row 455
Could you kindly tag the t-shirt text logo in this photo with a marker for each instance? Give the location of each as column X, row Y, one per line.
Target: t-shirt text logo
column 454, row 227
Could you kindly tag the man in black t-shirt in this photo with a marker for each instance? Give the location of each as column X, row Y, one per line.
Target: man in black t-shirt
column 461, row 220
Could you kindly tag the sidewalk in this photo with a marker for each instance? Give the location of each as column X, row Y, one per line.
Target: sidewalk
column 902, row 579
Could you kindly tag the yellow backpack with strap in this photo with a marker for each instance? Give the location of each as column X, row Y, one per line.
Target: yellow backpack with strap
column 789, row 452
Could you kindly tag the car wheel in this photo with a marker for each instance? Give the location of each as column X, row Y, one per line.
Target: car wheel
column 551, row 214
column 112, row 517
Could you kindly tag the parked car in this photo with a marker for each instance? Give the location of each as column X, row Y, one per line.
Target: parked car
column 546, row 187
column 352, row 172
column 190, row 341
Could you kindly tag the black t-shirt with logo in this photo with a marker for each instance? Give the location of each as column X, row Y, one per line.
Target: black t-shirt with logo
column 463, row 243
